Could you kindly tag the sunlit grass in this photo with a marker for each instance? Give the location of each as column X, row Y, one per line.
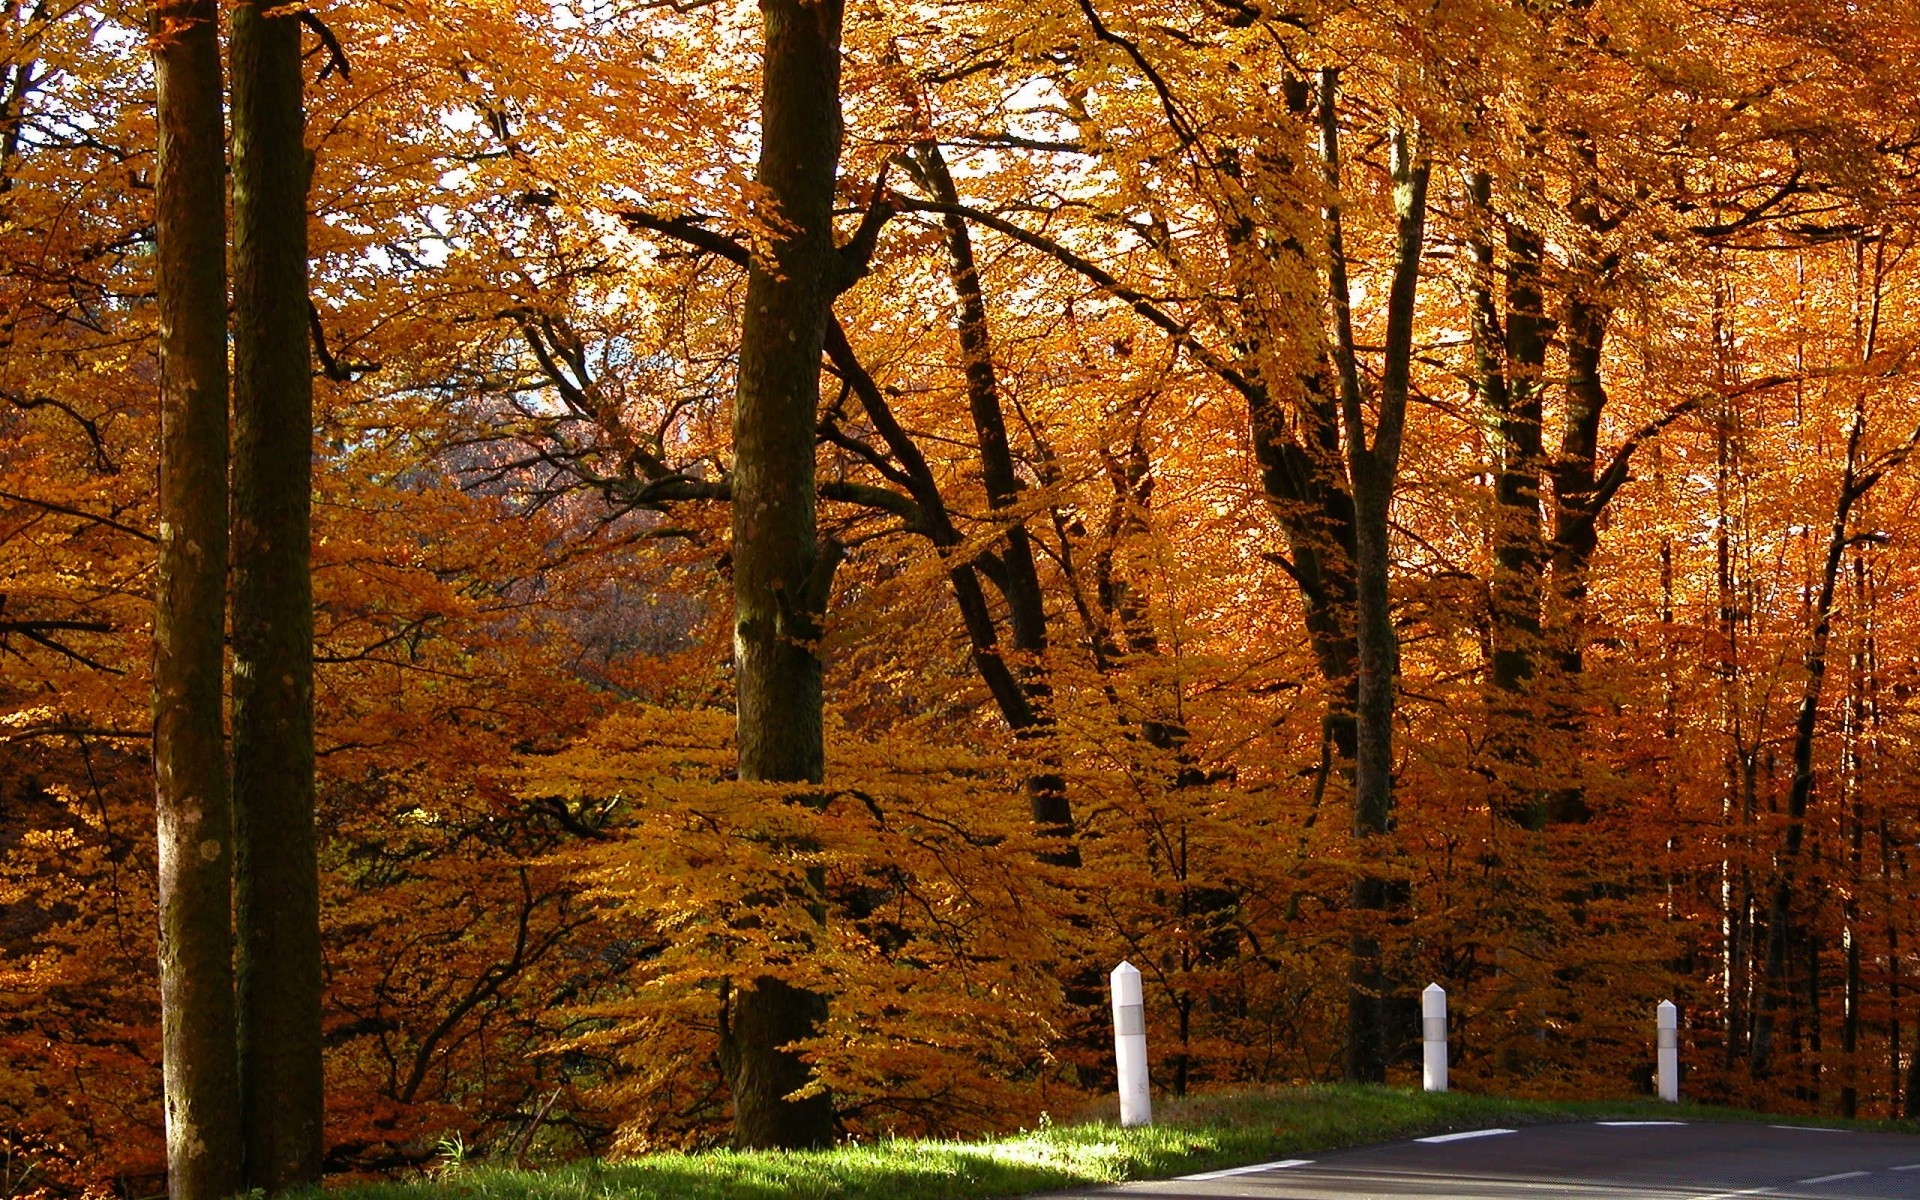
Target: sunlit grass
column 1200, row 1133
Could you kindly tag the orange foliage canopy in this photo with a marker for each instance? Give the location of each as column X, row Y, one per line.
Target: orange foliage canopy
column 1685, row 507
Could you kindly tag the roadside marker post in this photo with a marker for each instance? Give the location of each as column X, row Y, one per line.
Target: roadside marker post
column 1667, row 1049
column 1433, row 1037
column 1130, row 1045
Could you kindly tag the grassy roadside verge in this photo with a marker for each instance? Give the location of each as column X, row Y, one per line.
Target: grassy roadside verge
column 1198, row 1134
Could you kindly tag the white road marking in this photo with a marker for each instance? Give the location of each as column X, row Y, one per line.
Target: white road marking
column 1811, row 1128
column 1636, row 1124
column 1730, row 1195
column 1908, row 1167
column 1272, row 1166
column 1833, row 1178
column 1460, row 1137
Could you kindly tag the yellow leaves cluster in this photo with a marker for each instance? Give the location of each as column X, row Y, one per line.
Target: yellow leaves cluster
column 935, row 932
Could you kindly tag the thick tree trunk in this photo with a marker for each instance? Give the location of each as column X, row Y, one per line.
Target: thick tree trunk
column 1509, row 364
column 781, row 571
column 1575, row 473
column 189, row 750
column 1575, row 530
column 277, row 899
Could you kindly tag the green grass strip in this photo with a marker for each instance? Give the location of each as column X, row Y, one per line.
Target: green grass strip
column 1200, row 1133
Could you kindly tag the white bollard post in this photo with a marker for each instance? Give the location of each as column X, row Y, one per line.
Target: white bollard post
column 1433, row 1038
column 1130, row 1045
column 1667, row 1049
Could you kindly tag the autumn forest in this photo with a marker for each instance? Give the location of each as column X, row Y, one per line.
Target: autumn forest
column 591, row 576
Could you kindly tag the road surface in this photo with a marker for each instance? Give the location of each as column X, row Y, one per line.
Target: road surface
column 1594, row 1161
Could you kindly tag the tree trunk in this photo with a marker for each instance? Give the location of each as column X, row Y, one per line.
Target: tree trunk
column 189, row 753
column 1017, row 577
column 1367, row 1038
column 1911, row 1107
column 1576, row 536
column 1509, row 363
column 781, row 572
column 277, row 899
column 1302, row 471
column 1574, row 471
column 1780, row 912
column 1857, row 479
column 1372, row 466
column 1853, row 758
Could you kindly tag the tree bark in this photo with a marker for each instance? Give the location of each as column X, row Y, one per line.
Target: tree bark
column 1910, row 1107
column 1575, row 472
column 1018, row 578
column 1509, row 363
column 781, row 571
column 1780, row 909
column 1576, row 536
column 194, row 816
column 1372, row 467
column 277, row 900
column 1858, row 478
column 1301, row 477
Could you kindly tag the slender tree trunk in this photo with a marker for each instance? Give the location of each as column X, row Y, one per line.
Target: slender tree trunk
column 1911, row 1108
column 970, row 597
column 1738, row 802
column 1366, row 1049
column 1302, row 470
column 1780, row 912
column 189, row 750
column 1856, row 481
column 1373, row 466
column 1017, row 577
column 1853, row 752
column 782, row 573
column 277, row 899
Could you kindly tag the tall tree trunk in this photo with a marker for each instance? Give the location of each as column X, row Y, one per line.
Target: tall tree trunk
column 1738, row 805
column 277, row 901
column 189, row 752
column 1857, row 480
column 1578, row 495
column 1509, row 363
column 1853, row 757
column 1372, row 468
column 782, row 573
column 1910, row 1108
column 1016, row 575
column 1780, row 910
column 1576, row 535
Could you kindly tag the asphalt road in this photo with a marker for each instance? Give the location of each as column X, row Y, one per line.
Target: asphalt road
column 1596, row 1161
